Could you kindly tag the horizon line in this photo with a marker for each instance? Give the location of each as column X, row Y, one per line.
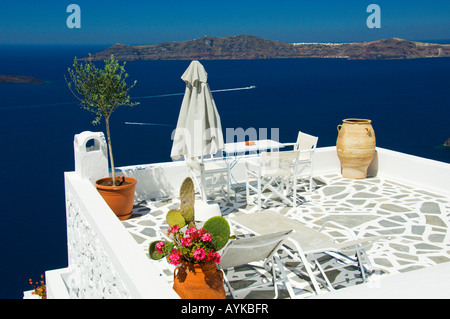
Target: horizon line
column 292, row 42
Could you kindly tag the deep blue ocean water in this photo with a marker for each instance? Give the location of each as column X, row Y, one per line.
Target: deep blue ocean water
column 408, row 102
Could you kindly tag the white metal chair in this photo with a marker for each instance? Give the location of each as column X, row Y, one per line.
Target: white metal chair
column 306, row 144
column 210, row 174
column 248, row 250
column 305, row 241
column 275, row 174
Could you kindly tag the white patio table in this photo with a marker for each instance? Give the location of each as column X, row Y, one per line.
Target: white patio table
column 235, row 151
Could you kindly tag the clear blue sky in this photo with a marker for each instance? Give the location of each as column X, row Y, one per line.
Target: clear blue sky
column 150, row 21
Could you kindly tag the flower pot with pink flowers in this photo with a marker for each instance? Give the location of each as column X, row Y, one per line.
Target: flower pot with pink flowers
column 193, row 250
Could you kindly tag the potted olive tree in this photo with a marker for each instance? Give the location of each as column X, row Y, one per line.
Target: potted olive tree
column 102, row 91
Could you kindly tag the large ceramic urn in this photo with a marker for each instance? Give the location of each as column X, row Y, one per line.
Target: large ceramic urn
column 355, row 147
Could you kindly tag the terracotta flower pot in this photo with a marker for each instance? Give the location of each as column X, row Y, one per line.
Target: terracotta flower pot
column 355, row 147
column 119, row 198
column 198, row 281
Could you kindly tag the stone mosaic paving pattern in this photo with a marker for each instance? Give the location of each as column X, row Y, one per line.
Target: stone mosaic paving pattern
column 416, row 221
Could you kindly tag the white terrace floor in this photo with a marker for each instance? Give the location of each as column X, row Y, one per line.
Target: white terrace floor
column 416, row 221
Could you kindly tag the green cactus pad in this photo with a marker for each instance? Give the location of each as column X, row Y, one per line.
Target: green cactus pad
column 153, row 253
column 219, row 230
column 174, row 217
column 187, row 194
column 188, row 214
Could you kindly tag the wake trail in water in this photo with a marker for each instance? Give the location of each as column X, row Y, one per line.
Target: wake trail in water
column 20, row 107
column 174, row 94
column 149, row 124
column 212, row 91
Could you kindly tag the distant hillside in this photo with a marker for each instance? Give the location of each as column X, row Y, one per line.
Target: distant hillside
column 252, row 47
column 18, row 79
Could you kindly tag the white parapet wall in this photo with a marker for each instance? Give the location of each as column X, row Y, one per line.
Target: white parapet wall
column 104, row 260
column 413, row 170
column 160, row 180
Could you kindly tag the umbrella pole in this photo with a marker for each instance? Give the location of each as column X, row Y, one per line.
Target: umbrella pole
column 203, row 182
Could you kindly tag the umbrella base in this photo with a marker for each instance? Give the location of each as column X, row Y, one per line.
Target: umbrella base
column 204, row 210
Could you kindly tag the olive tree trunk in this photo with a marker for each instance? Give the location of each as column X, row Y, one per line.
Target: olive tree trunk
column 111, row 159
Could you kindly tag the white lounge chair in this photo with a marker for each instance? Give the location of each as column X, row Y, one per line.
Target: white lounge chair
column 274, row 172
column 306, row 241
column 253, row 249
column 306, row 144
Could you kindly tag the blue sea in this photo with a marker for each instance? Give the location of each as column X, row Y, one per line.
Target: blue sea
column 408, row 102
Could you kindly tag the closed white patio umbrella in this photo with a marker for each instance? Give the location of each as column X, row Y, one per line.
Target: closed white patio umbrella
column 198, row 131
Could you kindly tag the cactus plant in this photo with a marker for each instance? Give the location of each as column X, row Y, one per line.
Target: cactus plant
column 188, row 214
column 187, row 194
column 185, row 214
column 153, row 252
column 187, row 198
column 175, row 217
column 195, row 245
column 220, row 231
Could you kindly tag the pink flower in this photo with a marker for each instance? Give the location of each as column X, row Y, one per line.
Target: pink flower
column 213, row 256
column 199, row 254
column 185, row 241
column 160, row 246
column 173, row 229
column 206, row 237
column 174, row 257
column 191, row 230
column 194, row 232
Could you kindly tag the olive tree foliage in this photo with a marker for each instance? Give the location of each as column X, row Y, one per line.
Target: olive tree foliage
column 101, row 91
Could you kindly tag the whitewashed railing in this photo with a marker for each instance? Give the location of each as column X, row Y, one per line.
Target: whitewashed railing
column 104, row 260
